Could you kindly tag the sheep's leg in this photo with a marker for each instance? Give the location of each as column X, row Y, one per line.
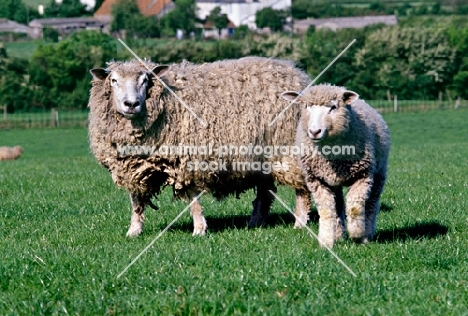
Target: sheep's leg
column 264, row 199
column 302, row 208
column 136, row 223
column 340, row 212
column 324, row 198
column 373, row 206
column 355, row 208
column 196, row 211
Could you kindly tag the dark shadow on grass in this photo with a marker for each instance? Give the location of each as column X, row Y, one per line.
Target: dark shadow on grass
column 219, row 224
column 385, row 207
column 424, row 230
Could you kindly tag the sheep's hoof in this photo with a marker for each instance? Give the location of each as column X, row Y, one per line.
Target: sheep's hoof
column 326, row 241
column 299, row 225
column 134, row 231
column 259, row 222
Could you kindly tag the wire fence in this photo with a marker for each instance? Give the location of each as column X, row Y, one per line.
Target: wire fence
column 404, row 106
column 57, row 118
column 54, row 118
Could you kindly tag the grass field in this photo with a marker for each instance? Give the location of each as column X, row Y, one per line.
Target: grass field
column 63, row 224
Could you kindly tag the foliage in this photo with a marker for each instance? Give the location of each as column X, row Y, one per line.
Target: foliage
column 323, row 46
column 269, row 17
column 302, row 9
column 66, row 9
column 59, row 72
column 183, row 17
column 97, row 5
column 417, row 63
column 241, row 32
column 12, row 75
column 16, row 10
column 127, row 17
column 218, row 19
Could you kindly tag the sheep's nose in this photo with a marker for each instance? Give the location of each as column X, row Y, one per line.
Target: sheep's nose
column 315, row 133
column 131, row 104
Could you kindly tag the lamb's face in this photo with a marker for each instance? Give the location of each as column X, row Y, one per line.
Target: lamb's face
column 128, row 86
column 325, row 114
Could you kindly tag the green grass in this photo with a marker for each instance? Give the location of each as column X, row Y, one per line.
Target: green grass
column 63, row 224
column 22, row 50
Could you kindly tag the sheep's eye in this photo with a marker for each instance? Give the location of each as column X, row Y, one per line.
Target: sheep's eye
column 333, row 108
column 114, row 81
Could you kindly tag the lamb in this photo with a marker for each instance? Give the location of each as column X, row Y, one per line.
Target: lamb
column 10, row 153
column 350, row 145
column 129, row 106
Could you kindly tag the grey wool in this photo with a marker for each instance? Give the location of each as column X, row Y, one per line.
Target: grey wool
column 237, row 99
column 350, row 145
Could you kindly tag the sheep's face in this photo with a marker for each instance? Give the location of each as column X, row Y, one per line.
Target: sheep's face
column 325, row 112
column 18, row 149
column 129, row 86
column 129, row 92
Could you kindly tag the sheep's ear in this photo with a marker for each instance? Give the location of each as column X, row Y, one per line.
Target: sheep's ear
column 292, row 96
column 350, row 96
column 160, row 70
column 99, row 73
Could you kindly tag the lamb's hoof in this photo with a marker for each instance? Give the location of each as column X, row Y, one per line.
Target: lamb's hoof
column 200, row 230
column 134, row 231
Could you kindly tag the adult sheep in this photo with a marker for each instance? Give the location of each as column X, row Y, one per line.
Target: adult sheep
column 10, row 153
column 129, row 106
column 350, row 145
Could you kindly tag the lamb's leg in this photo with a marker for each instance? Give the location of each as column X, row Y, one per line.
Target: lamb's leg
column 355, row 208
column 264, row 199
column 324, row 198
column 136, row 223
column 373, row 206
column 302, row 208
column 340, row 212
column 196, row 211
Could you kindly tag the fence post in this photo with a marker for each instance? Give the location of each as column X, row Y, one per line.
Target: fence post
column 395, row 103
column 440, row 100
column 457, row 103
column 53, row 122
column 5, row 112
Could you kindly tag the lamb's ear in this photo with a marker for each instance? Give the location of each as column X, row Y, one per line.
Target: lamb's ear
column 350, row 96
column 159, row 70
column 292, row 96
column 99, row 73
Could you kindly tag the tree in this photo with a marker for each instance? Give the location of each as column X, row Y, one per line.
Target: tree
column 268, row 17
column 219, row 20
column 59, row 72
column 183, row 17
column 127, row 16
column 66, row 9
column 12, row 81
column 414, row 63
column 17, row 11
